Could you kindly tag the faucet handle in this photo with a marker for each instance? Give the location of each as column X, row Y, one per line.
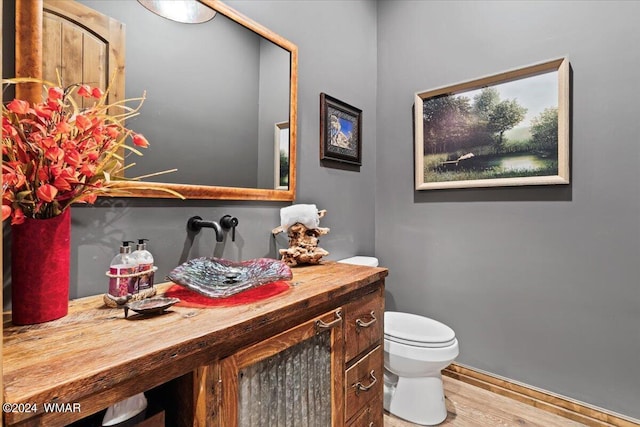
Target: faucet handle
column 230, row 222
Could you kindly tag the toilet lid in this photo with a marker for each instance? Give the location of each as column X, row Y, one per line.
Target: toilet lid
column 419, row 331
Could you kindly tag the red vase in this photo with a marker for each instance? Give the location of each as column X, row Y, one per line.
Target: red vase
column 40, row 256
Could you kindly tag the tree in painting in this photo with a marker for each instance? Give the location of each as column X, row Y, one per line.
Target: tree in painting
column 505, row 116
column 544, row 129
column 447, row 123
column 482, row 134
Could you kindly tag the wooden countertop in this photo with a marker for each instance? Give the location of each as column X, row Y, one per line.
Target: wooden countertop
column 95, row 357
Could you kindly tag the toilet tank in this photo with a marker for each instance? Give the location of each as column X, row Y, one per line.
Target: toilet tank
column 361, row 260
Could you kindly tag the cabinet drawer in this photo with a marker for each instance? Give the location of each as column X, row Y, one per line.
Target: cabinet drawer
column 371, row 416
column 363, row 382
column 363, row 323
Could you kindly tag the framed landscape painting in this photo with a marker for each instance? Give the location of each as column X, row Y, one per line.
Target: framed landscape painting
column 504, row 130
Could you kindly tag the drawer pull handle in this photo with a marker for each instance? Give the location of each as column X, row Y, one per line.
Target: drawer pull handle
column 324, row 325
column 373, row 320
column 361, row 387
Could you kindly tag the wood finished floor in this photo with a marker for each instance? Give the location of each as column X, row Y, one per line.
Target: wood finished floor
column 471, row 406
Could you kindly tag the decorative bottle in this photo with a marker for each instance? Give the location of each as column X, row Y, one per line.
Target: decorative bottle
column 144, row 261
column 123, row 265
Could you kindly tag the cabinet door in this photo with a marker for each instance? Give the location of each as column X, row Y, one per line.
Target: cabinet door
column 292, row 379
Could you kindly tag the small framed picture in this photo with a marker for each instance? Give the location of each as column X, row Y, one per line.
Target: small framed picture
column 340, row 131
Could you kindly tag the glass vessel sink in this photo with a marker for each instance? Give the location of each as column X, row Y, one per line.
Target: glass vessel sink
column 221, row 278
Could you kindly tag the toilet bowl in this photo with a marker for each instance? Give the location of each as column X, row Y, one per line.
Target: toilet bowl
column 416, row 349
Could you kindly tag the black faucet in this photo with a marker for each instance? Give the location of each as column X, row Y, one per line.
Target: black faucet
column 195, row 223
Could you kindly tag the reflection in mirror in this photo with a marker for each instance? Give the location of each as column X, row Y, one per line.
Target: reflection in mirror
column 281, row 157
column 185, row 11
column 214, row 92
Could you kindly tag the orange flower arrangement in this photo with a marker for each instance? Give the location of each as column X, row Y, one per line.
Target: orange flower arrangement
column 55, row 154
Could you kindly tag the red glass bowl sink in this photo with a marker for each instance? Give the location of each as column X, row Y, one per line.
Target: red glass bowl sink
column 221, row 278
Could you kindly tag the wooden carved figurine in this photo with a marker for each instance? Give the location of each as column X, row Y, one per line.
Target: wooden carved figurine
column 303, row 243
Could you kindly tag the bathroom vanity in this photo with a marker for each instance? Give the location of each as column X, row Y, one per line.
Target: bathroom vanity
column 315, row 351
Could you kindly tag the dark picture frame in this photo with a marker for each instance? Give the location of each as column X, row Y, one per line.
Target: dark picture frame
column 508, row 129
column 340, row 131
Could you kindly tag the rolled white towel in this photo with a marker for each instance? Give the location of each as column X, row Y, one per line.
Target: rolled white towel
column 306, row 215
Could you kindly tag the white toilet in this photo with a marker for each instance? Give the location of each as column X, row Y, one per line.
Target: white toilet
column 416, row 349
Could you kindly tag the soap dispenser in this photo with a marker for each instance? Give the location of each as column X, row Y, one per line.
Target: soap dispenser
column 123, row 268
column 144, row 261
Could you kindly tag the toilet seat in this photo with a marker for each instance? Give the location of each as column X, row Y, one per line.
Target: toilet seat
column 418, row 331
column 420, row 343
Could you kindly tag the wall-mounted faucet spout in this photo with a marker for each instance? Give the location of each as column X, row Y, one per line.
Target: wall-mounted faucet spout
column 195, row 223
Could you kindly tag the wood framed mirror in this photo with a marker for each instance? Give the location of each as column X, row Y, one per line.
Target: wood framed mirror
column 171, row 144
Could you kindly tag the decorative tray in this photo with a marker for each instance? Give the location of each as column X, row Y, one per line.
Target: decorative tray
column 154, row 305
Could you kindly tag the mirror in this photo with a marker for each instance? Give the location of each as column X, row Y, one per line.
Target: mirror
column 215, row 91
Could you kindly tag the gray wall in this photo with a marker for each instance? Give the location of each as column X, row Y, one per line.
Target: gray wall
column 326, row 43
column 540, row 284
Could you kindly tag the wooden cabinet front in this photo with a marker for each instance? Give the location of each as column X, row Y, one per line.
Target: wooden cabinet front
column 292, row 379
column 364, row 357
column 327, row 371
